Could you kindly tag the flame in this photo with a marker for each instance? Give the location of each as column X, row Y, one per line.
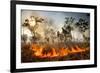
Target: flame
column 39, row 51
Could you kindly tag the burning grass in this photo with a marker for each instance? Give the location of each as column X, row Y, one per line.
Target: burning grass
column 55, row 52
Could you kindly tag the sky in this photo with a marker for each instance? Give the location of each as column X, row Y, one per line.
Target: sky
column 57, row 17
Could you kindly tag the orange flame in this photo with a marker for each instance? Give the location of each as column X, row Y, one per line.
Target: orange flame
column 39, row 51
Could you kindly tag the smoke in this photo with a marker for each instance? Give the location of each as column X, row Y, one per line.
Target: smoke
column 45, row 28
column 48, row 28
column 25, row 14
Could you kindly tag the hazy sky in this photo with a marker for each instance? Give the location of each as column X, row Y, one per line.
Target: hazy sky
column 57, row 17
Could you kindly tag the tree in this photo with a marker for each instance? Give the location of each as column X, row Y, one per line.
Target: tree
column 82, row 24
column 68, row 23
column 66, row 29
column 69, row 20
